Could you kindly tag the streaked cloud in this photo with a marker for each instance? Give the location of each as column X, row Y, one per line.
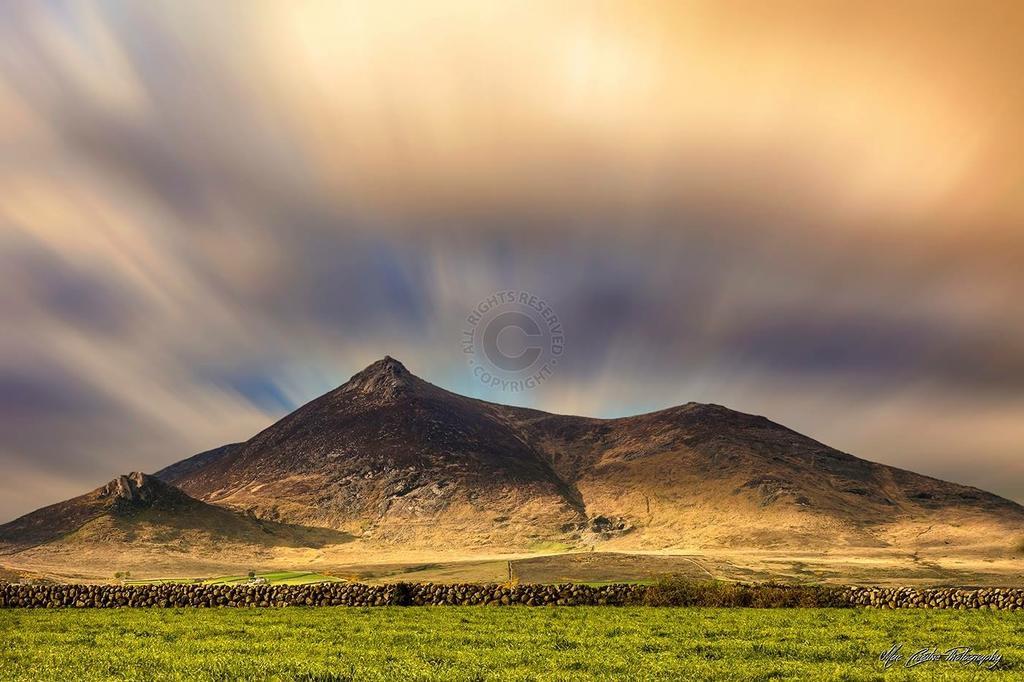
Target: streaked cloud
column 214, row 212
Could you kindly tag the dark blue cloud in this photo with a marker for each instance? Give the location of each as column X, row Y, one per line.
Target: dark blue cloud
column 34, row 393
column 256, row 387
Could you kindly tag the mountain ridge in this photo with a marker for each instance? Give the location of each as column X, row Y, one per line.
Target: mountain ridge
column 587, row 462
column 388, row 463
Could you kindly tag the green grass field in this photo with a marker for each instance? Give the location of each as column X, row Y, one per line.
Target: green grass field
column 277, row 578
column 474, row 643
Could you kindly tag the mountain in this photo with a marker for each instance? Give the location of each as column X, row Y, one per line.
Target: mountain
column 179, row 470
column 137, row 515
column 392, row 458
column 397, row 461
column 392, row 470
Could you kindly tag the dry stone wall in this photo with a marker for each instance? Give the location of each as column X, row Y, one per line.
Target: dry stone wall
column 431, row 594
column 995, row 599
column 320, row 594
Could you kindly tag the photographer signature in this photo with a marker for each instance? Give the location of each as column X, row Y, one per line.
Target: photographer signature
column 964, row 655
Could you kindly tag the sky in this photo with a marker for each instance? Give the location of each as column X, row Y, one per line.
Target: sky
column 211, row 213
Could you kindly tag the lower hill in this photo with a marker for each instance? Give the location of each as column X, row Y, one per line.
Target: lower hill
column 138, row 520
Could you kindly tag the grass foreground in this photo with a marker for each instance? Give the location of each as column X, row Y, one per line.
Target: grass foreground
column 513, row 643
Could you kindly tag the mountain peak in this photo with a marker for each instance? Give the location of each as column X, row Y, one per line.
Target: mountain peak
column 387, row 364
column 386, row 378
